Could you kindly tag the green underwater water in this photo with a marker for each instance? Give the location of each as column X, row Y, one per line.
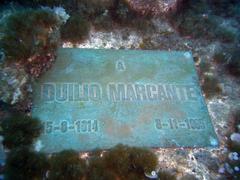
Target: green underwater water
column 88, row 98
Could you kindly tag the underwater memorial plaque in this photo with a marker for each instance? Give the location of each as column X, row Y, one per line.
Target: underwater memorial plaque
column 99, row 98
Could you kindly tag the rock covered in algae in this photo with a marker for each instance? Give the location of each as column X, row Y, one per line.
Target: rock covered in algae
column 13, row 83
column 154, row 7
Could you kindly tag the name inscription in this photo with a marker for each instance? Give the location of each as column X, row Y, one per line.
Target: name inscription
column 66, row 92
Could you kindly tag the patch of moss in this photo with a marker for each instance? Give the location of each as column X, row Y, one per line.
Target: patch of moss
column 135, row 176
column 118, row 159
column 225, row 8
column 143, row 160
column 92, row 8
column 123, row 15
column 198, row 21
column 233, row 65
column 197, row 26
column 27, row 33
column 205, row 67
column 40, row 2
column 120, row 162
column 23, row 164
column 210, row 86
column 230, row 60
column 226, row 35
column 124, row 160
column 66, row 165
column 121, row 12
column 146, row 44
column 189, row 177
column 86, row 8
column 236, row 120
column 20, row 130
column 220, row 57
column 209, row 82
column 103, row 22
column 233, row 146
column 165, row 175
column 75, row 30
column 97, row 170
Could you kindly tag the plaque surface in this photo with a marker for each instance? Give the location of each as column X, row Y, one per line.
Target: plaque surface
column 98, row 98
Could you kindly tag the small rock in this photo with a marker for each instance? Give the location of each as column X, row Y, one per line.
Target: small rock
column 153, row 175
column 13, row 81
column 228, row 168
column 235, row 137
column 233, row 156
column 221, row 170
column 236, row 168
column 206, row 158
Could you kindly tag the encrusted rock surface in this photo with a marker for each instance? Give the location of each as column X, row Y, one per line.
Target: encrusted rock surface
column 117, row 39
column 154, row 7
column 202, row 163
column 38, row 64
column 13, row 83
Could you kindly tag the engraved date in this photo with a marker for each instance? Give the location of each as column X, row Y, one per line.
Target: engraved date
column 172, row 123
column 79, row 126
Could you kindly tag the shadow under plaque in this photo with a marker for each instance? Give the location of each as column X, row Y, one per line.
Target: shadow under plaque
column 99, row 98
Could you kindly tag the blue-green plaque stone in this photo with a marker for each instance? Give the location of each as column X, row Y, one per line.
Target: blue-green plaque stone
column 99, row 98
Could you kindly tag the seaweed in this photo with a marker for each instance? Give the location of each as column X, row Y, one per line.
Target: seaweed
column 118, row 159
column 124, row 160
column 210, row 86
column 198, row 20
column 233, row 65
column 143, row 160
column 165, row 175
column 103, row 22
column 120, row 162
column 76, row 29
column 23, row 164
column 92, row 8
column 20, row 130
column 97, row 170
column 67, row 165
column 220, row 58
column 230, row 60
column 236, row 120
column 27, row 33
column 35, row 3
column 225, row 8
column 189, row 177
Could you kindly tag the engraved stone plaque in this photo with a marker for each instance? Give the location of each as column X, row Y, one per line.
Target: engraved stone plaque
column 99, row 98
